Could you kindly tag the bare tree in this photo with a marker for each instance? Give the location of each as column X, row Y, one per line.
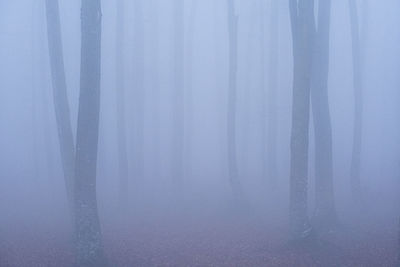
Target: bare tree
column 325, row 213
column 88, row 233
column 60, row 95
column 303, row 28
column 232, row 95
column 120, row 104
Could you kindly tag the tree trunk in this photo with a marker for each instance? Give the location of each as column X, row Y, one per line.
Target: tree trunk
column 325, row 213
column 302, row 21
column 189, row 89
column 358, row 64
column 270, row 162
column 61, row 105
column 155, row 87
column 178, row 98
column 45, row 103
column 34, row 99
column 120, row 96
column 88, row 233
column 139, row 93
column 232, row 95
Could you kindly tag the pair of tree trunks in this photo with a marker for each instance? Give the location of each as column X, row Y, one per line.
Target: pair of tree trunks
column 269, row 110
column 310, row 86
column 325, row 212
column 80, row 167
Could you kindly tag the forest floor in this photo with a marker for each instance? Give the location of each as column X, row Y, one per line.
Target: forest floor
column 228, row 241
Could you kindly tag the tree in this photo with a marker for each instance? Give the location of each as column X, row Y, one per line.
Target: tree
column 358, row 51
column 189, row 88
column 120, row 96
column 154, row 84
column 60, row 95
column 41, row 95
column 88, row 233
column 232, row 95
column 35, row 85
column 325, row 213
column 139, row 93
column 270, row 120
column 178, row 96
column 303, row 28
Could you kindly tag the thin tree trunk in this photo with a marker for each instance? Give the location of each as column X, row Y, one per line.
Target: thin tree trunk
column 358, row 64
column 325, row 213
column 139, row 93
column 47, row 131
column 120, row 96
column 272, row 101
column 46, row 96
column 302, row 20
column 35, row 85
column 88, row 233
column 61, row 105
column 178, row 97
column 264, row 90
column 189, row 89
column 155, row 87
column 232, row 95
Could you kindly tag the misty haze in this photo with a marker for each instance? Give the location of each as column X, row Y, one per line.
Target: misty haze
column 199, row 133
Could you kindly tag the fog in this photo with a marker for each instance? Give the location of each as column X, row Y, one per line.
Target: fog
column 199, row 133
